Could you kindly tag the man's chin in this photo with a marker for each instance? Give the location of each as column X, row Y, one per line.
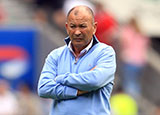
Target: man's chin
column 78, row 44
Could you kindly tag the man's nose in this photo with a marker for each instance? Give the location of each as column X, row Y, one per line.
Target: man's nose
column 77, row 32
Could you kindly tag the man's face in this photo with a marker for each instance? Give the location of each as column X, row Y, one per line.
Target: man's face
column 80, row 27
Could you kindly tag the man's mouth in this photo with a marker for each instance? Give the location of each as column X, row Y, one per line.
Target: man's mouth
column 78, row 39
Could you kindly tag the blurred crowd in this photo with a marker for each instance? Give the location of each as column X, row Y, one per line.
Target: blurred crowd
column 20, row 102
column 127, row 38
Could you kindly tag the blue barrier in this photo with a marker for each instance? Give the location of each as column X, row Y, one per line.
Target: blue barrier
column 18, row 56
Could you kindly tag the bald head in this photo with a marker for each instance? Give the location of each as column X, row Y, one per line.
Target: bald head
column 78, row 10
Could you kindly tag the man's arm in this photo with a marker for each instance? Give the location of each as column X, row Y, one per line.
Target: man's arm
column 84, row 92
column 101, row 75
column 81, row 92
column 48, row 87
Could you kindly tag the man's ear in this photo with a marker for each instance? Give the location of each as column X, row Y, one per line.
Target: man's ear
column 66, row 25
column 95, row 27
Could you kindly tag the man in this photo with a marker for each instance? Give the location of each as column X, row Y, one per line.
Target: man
column 79, row 76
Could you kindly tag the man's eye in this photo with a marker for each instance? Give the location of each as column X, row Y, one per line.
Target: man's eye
column 72, row 26
column 83, row 26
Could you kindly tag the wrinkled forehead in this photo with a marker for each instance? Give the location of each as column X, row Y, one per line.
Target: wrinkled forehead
column 80, row 10
column 80, row 13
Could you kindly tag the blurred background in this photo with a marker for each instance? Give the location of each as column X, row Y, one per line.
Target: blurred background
column 30, row 29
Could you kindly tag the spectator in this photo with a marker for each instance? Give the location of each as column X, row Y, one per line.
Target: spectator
column 29, row 103
column 8, row 102
column 123, row 104
column 133, row 49
column 2, row 14
column 106, row 26
column 50, row 10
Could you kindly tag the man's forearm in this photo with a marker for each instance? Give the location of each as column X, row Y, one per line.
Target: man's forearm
column 81, row 92
column 84, row 92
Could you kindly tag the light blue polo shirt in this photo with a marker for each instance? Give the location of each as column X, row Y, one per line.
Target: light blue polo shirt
column 61, row 78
